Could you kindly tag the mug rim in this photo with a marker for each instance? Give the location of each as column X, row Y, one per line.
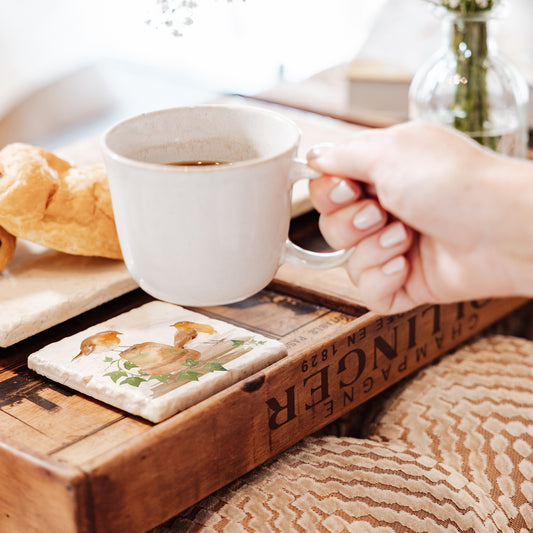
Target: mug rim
column 207, row 168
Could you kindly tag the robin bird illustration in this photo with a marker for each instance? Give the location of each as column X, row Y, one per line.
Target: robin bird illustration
column 157, row 358
column 187, row 331
column 98, row 342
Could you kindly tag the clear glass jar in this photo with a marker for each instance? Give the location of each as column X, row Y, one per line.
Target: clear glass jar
column 469, row 86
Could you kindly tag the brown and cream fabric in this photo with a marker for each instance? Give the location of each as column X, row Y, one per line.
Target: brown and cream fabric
column 473, row 411
column 333, row 484
column 451, row 450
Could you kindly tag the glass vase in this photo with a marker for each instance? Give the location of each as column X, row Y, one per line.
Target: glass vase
column 469, row 86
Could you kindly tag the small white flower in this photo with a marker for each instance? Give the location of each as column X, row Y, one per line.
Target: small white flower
column 173, row 15
column 466, row 5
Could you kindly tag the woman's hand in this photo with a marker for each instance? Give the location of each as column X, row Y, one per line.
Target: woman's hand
column 433, row 217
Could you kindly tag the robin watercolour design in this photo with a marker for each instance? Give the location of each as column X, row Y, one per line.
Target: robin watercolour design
column 156, row 360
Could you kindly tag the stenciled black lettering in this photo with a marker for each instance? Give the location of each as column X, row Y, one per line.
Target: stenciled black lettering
column 439, row 340
column 411, row 342
column 402, row 367
column 436, row 317
column 359, row 357
column 473, row 321
column 421, row 352
column 276, row 407
column 456, row 330
column 348, row 396
column 478, row 304
column 322, row 388
column 388, row 350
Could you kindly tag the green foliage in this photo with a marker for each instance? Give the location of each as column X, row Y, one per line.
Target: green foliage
column 188, row 375
column 125, row 372
column 128, row 373
column 116, row 375
column 214, row 366
column 134, row 381
column 467, row 6
column 250, row 342
column 190, row 362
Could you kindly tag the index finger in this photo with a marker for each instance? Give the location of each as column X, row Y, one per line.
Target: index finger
column 355, row 158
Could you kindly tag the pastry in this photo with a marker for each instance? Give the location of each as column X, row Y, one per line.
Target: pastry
column 46, row 200
column 8, row 244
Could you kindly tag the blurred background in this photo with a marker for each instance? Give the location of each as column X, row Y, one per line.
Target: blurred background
column 71, row 67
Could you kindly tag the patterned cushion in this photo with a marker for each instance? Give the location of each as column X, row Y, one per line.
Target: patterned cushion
column 473, row 411
column 345, row 484
column 450, row 451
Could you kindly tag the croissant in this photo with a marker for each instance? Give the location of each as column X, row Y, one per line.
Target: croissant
column 46, row 200
column 8, row 244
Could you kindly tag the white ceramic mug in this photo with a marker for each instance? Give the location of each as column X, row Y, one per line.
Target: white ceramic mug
column 206, row 235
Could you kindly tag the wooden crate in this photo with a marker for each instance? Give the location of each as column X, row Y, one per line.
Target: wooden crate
column 72, row 464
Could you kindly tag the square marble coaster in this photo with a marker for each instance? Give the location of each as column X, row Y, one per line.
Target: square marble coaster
column 156, row 360
column 41, row 288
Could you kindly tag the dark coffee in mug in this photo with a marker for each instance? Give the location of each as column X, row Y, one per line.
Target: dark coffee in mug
column 196, row 163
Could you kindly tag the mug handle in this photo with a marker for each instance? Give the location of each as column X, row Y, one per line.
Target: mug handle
column 295, row 255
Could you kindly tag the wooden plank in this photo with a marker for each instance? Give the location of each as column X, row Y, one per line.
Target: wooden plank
column 198, row 451
column 101, row 440
column 336, row 361
column 334, row 290
column 108, row 459
column 40, row 444
column 38, row 494
column 54, row 411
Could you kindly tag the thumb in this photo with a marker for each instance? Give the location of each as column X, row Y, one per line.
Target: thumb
column 355, row 158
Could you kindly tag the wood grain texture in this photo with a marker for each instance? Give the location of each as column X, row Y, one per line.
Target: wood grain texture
column 201, row 449
column 111, row 472
column 38, row 494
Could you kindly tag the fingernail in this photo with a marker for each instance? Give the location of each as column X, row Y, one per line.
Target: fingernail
column 393, row 235
column 342, row 193
column 367, row 217
column 318, row 150
column 394, row 265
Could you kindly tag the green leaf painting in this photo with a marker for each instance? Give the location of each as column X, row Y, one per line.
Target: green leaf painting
column 134, row 381
column 116, row 375
column 165, row 363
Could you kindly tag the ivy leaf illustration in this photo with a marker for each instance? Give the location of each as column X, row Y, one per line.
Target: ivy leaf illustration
column 163, row 378
column 116, row 375
column 128, row 365
column 212, row 366
column 255, row 342
column 237, row 343
column 108, row 359
column 190, row 362
column 188, row 375
column 134, row 381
